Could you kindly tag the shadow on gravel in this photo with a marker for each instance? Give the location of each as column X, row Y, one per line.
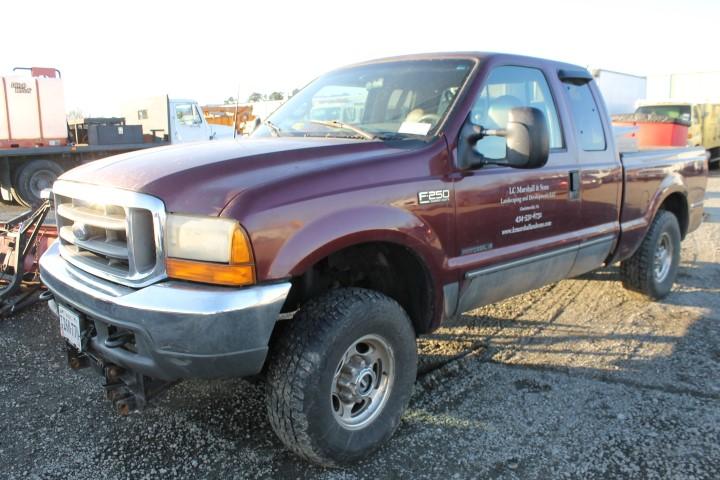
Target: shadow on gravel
column 695, row 275
column 682, row 356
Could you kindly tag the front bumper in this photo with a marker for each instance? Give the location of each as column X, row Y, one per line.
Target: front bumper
column 179, row 329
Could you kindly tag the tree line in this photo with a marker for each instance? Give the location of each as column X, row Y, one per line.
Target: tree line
column 260, row 97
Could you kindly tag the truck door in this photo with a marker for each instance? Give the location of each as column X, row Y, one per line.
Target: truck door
column 516, row 229
column 188, row 123
column 600, row 175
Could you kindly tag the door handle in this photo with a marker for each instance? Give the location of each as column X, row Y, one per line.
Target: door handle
column 574, row 190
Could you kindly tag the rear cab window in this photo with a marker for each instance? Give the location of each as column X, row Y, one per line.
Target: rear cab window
column 586, row 117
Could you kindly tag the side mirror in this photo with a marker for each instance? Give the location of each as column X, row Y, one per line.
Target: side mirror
column 526, row 137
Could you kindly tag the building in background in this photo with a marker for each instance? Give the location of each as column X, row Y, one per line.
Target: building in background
column 696, row 87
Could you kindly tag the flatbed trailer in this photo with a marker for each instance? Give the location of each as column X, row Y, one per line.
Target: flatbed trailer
column 25, row 172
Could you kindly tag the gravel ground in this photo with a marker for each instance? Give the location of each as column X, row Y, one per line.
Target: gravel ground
column 580, row 379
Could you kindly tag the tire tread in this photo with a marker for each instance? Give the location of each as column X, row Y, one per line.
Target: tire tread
column 291, row 365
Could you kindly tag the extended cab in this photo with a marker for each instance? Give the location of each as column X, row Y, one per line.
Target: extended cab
column 317, row 250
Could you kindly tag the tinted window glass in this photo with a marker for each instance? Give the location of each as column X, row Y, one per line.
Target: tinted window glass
column 386, row 98
column 586, row 116
column 507, row 88
column 187, row 114
column 677, row 112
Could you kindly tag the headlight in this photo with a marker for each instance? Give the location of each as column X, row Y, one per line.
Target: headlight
column 208, row 249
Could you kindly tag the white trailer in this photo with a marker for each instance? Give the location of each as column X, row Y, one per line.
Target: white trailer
column 36, row 145
column 620, row 90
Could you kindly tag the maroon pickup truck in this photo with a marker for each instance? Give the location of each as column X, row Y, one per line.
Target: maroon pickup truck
column 382, row 199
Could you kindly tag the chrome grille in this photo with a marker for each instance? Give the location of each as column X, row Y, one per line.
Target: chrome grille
column 114, row 234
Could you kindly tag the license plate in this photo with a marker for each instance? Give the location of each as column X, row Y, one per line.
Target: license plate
column 70, row 326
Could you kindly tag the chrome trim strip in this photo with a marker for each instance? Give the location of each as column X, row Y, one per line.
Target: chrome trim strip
column 129, row 201
column 85, row 215
column 542, row 256
column 596, row 241
column 633, row 224
column 697, row 204
column 104, row 248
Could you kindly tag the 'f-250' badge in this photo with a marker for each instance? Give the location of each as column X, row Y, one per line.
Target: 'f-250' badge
column 433, row 196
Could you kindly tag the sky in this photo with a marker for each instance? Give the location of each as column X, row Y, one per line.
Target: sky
column 110, row 52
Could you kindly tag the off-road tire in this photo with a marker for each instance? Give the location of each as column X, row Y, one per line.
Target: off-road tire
column 637, row 272
column 24, row 193
column 303, row 362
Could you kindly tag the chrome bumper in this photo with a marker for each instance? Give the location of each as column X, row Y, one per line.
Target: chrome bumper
column 180, row 329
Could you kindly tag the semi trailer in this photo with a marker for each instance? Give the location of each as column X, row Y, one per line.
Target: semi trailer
column 37, row 145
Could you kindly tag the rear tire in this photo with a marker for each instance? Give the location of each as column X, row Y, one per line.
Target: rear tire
column 31, row 178
column 653, row 267
column 328, row 400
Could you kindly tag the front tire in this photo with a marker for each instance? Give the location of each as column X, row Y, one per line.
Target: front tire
column 33, row 177
column 340, row 376
column 653, row 267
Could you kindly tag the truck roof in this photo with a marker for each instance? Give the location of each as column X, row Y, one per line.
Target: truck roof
column 476, row 56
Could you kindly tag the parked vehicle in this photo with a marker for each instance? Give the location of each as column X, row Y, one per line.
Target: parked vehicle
column 316, row 251
column 36, row 145
column 621, row 91
column 703, row 120
column 651, row 130
column 239, row 117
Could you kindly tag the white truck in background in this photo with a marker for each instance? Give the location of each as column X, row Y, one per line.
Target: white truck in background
column 37, row 144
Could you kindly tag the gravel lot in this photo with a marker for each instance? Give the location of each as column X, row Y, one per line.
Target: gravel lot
column 580, row 379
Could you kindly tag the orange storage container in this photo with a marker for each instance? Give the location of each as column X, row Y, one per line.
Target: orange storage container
column 655, row 130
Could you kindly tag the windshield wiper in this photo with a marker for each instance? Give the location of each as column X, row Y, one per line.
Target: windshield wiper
column 394, row 136
column 339, row 124
column 273, row 128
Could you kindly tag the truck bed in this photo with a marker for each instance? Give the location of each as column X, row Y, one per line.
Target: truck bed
column 650, row 175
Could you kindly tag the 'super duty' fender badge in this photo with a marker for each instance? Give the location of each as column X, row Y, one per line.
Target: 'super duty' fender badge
column 433, row 196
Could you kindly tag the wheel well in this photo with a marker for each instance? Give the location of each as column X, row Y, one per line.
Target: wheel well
column 388, row 268
column 677, row 204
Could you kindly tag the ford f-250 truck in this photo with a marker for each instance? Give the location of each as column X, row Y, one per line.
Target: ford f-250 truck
column 316, row 251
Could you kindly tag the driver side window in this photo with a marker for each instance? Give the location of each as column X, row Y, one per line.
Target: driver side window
column 187, row 114
column 507, row 88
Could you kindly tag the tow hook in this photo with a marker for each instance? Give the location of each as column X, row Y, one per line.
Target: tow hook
column 129, row 390
column 46, row 296
column 77, row 360
column 119, row 339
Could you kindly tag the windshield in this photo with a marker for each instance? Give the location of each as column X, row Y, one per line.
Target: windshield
column 677, row 112
column 379, row 100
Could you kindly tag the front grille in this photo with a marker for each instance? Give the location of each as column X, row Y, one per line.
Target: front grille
column 114, row 234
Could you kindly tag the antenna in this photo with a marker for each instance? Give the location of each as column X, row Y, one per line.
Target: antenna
column 237, row 105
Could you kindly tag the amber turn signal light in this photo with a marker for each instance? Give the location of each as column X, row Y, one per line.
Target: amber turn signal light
column 205, row 272
column 240, row 271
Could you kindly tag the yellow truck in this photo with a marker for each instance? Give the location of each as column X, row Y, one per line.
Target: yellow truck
column 703, row 120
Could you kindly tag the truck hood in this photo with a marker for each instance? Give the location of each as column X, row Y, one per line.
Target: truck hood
column 202, row 178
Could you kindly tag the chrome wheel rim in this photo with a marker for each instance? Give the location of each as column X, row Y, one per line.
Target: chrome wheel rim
column 42, row 180
column 362, row 382
column 663, row 257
